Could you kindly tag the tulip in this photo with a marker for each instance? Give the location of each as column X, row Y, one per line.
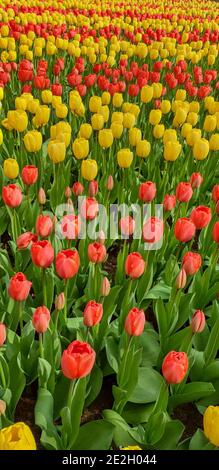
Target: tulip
column 42, row 253
column 95, row 104
column 29, row 174
column 175, row 366
column 92, row 314
column 96, row 252
column 67, row 263
column 89, row 169
column 211, row 424
column 135, row 322
column 89, row 208
column 33, row 141
column 155, row 116
column 70, row 226
column 134, row 136
column 124, row 158
column 181, row 279
column 215, row 193
column 117, row 129
column 214, row 142
column 60, row 301
column 18, row 436
column 128, row 120
column 216, row 232
column 170, row 135
column 97, row 122
column 117, row 100
column 143, row 148
column 196, row 180
column 19, row 287
column 2, row 408
column 93, row 188
column 158, row 131
column 147, row 94
column 191, row 262
column 201, row 216
column 127, row 226
column 147, row 191
column 41, row 319
column 134, row 265
column 25, row 239
column 41, row 197
column 105, row 138
column 201, row 149
column 77, row 360
column 169, row 202
column 110, row 183
column 77, row 188
column 44, row 226
column 85, row 130
column 184, row 192
column 153, row 230
column 198, row 322
column 11, row 168
column 105, row 287
column 18, row 120
column 210, row 123
column 12, row 195
column 2, row 334
column 80, row 148
column 171, row 150
column 184, row 229
column 56, row 150
column 67, row 192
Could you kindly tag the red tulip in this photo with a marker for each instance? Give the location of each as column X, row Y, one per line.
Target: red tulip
column 70, row 226
column 19, row 287
column 89, row 208
column 42, row 253
column 201, row 216
column 41, row 197
column 184, row 192
column 134, row 265
column 25, row 239
column 216, row 232
column 105, row 287
column 175, row 367
column 215, row 193
column 77, row 360
column 77, row 188
column 110, row 183
column 2, row 334
column 198, row 322
column 147, row 191
column 184, row 229
column 153, row 230
column 96, row 252
column 191, row 262
column 67, row 263
column 41, row 319
column 181, row 279
column 135, row 322
column 44, row 226
column 93, row 188
column 127, row 225
column 29, row 174
column 169, row 202
column 92, row 314
column 12, row 195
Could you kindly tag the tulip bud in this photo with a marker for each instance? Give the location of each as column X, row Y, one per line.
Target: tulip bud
column 135, row 322
column 2, row 407
column 60, row 301
column 2, row 334
column 41, row 319
column 198, row 322
column 105, row 287
column 77, row 188
column 93, row 188
column 68, row 192
column 41, row 197
column 101, row 237
column 196, row 180
column 217, row 207
column 181, row 279
column 110, row 183
column 175, row 366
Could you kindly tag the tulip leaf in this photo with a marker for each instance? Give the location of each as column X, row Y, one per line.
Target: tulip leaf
column 148, row 386
column 94, row 435
column 191, row 392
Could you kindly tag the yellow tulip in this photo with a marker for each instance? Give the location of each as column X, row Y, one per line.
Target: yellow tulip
column 95, row 104
column 193, row 136
column 97, row 121
column 89, row 169
column 186, row 128
column 124, row 158
column 131, row 448
column 33, row 141
column 117, row 100
column 42, row 115
column 117, row 116
column 165, row 106
column 11, row 168
column 201, row 149
column 56, row 150
column 134, row 136
column 80, row 148
column 46, row 96
column 214, row 142
column 1, row 93
column 157, row 90
column 155, row 116
column 180, row 95
column 194, row 107
column 180, row 116
column 146, row 94
column 192, row 118
column 85, row 130
column 1, row 137
column 104, row 111
column 20, row 103
column 18, row 436
column 171, row 150
column 117, row 129
column 33, row 105
column 169, row 135
column 105, row 138
column 211, row 424
column 143, row 148
column 128, row 120
column 158, row 131
column 105, row 98
column 210, row 123
column 18, row 120
column 61, row 111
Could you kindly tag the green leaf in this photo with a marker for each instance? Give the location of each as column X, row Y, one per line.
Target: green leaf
column 77, row 406
column 148, row 387
column 155, row 427
column 94, row 385
column 44, row 370
column 172, row 434
column 160, row 291
column 17, row 381
column 96, row 435
column 145, row 284
column 44, row 409
column 191, row 392
column 112, row 352
column 213, row 341
column 198, row 441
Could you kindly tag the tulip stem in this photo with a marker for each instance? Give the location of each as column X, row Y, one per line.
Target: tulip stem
column 66, row 300
column 2, row 375
column 70, row 393
column 44, row 287
column 41, row 348
column 20, row 310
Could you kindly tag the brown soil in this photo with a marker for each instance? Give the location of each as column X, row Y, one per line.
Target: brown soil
column 190, row 417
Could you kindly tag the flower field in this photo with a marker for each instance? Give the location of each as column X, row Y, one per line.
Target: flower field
column 109, row 225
